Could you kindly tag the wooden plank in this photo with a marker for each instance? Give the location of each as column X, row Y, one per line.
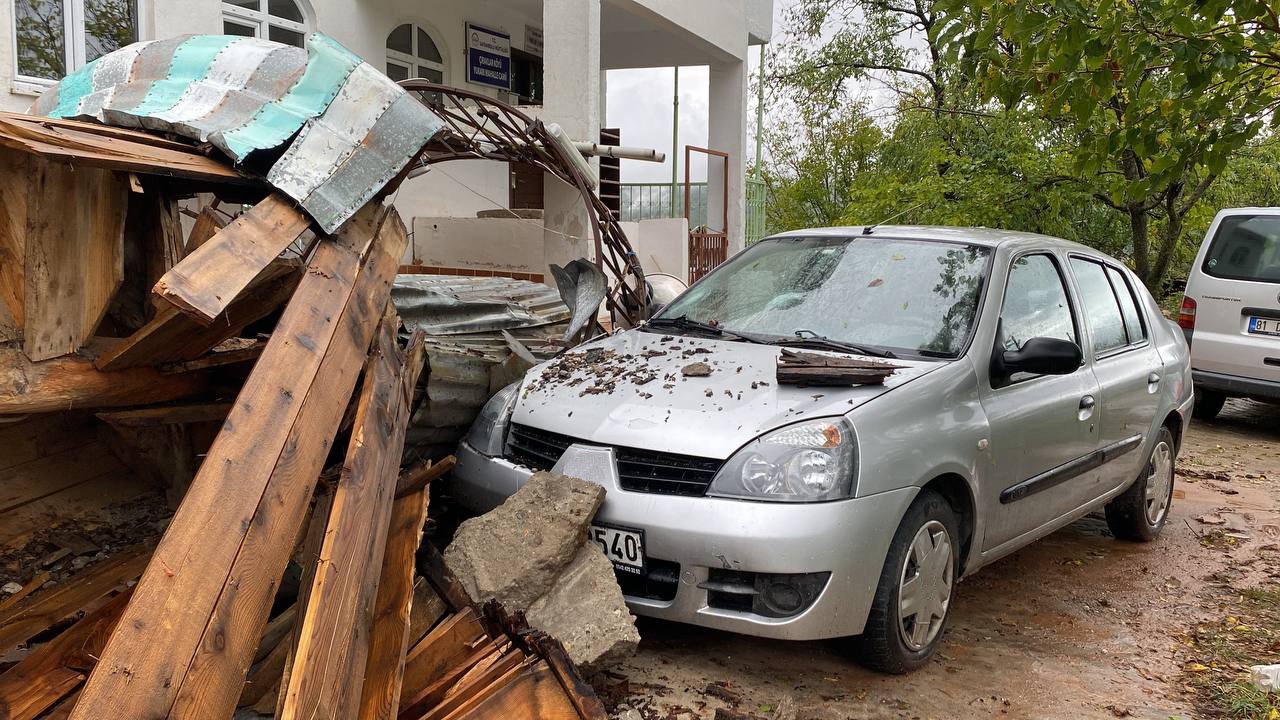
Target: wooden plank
column 23, row 484
column 389, row 636
column 208, row 280
column 225, row 358
column 41, row 610
column 264, row 676
column 72, row 382
column 308, row 556
column 484, row 657
column 168, row 415
column 444, row 647
column 427, row 610
column 173, row 336
column 580, row 694
column 74, row 256
column 43, row 435
column 85, row 500
column 200, row 608
column 56, row 668
column 421, row 475
column 333, row 648
column 442, row 579
column 33, row 585
column 207, row 224
column 479, row 683
column 533, row 693
column 93, row 145
column 15, row 185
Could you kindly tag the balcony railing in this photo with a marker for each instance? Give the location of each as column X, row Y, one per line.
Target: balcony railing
column 648, row 201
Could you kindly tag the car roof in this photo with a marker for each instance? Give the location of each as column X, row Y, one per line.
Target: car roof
column 985, row 237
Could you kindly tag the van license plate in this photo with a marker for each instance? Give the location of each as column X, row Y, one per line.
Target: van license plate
column 624, row 547
column 1264, row 326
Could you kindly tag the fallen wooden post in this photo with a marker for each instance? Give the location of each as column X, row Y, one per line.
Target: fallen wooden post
column 72, row 382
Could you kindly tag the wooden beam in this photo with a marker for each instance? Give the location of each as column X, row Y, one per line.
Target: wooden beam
column 208, row 280
column 168, row 415
column 308, row 556
column 74, row 255
column 188, row 637
column 56, row 668
column 208, row 222
column 173, row 336
column 389, row 636
column 419, row 477
column 15, row 180
column 21, row 622
column 72, row 382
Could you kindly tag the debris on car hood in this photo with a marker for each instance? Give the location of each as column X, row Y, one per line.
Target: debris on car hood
column 628, row 389
column 807, row 368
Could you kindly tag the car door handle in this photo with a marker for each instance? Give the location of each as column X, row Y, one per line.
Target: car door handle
column 1153, row 378
column 1087, row 402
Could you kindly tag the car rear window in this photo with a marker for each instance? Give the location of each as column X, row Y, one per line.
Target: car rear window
column 1246, row 247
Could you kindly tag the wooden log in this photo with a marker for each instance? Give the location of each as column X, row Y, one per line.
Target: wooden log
column 72, row 382
column 173, row 336
column 208, row 280
column 74, row 255
column 333, row 648
column 22, row 621
column 389, row 636
column 201, row 606
column 56, row 668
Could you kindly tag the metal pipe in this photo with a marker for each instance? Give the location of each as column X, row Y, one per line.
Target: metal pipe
column 621, row 152
column 675, row 142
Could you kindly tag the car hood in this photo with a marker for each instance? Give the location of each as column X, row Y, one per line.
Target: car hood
column 630, row 389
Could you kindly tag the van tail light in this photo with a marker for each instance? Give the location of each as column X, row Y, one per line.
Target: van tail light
column 1187, row 314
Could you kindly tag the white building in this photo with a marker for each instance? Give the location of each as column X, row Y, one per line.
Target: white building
column 559, row 52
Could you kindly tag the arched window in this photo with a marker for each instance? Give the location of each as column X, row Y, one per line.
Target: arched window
column 284, row 21
column 412, row 53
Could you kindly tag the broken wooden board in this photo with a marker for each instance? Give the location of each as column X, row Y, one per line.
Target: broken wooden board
column 307, row 556
column 208, row 222
column 208, row 280
column 72, row 382
column 39, row 611
column 55, row 669
column 802, row 368
column 173, row 336
column 74, row 255
column 442, row 649
column 93, row 145
column 333, row 647
column 15, row 176
column 188, row 638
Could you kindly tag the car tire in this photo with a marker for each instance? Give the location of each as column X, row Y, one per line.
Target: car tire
column 1208, row 404
column 889, row 643
column 1140, row 513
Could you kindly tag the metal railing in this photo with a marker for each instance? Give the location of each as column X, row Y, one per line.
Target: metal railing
column 647, row 201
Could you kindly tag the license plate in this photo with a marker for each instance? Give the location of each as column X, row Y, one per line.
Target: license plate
column 1264, row 326
column 623, row 546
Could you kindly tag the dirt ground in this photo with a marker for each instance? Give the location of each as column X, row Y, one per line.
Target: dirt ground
column 1077, row 625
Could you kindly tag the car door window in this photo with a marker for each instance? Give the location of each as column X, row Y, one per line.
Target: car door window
column 1133, row 325
column 1035, row 303
column 1101, row 309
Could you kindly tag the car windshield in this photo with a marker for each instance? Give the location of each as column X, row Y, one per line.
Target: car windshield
column 1246, row 247
column 905, row 296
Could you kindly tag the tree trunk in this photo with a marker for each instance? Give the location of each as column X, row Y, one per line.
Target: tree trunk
column 1139, row 224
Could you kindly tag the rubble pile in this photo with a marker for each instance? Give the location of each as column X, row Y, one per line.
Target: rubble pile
column 170, row 322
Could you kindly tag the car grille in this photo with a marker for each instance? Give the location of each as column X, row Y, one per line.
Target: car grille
column 644, row 471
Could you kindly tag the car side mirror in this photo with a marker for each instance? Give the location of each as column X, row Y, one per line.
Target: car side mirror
column 1042, row 356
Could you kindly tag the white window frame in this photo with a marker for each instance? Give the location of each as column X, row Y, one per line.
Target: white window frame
column 411, row 61
column 73, row 43
column 262, row 21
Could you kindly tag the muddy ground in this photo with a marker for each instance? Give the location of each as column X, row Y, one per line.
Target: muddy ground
column 1077, row 625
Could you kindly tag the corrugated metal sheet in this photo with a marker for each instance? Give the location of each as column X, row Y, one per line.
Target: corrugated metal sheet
column 468, row 356
column 352, row 128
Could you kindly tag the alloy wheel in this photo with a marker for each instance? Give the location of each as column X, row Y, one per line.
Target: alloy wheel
column 1159, row 483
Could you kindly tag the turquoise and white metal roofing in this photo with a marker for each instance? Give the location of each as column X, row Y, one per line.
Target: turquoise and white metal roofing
column 348, row 128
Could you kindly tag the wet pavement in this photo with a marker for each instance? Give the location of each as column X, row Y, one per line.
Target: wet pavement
column 1077, row 625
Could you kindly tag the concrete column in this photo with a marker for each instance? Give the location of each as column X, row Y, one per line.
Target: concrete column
column 572, row 97
column 727, row 132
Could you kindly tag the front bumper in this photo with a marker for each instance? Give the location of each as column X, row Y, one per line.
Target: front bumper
column 847, row 538
column 1235, row 385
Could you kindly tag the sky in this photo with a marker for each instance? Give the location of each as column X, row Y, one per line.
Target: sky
column 639, row 102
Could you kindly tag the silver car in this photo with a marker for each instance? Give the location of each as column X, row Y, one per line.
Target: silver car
column 1036, row 381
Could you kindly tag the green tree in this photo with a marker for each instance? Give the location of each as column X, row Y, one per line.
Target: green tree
column 1152, row 98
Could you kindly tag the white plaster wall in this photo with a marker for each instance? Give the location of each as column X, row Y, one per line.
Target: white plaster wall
column 479, row 243
column 662, row 245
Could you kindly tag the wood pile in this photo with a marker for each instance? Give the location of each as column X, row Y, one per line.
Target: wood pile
column 170, row 323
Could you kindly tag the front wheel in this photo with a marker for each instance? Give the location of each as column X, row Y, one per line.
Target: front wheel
column 913, row 598
column 1140, row 513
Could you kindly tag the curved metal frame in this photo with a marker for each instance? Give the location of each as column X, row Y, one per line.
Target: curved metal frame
column 478, row 127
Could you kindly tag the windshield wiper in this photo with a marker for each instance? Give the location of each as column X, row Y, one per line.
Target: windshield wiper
column 821, row 342
column 684, row 322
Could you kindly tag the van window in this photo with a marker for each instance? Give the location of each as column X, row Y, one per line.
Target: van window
column 1246, row 247
column 1128, row 306
column 1101, row 309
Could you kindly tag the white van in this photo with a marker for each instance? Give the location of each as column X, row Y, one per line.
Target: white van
column 1231, row 310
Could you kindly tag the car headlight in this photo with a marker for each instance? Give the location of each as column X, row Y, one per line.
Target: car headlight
column 806, row 462
column 489, row 431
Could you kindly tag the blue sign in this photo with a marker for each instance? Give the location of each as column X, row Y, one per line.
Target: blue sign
column 488, row 57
